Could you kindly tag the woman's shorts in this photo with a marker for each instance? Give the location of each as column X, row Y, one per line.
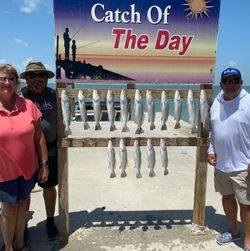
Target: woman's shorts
column 15, row 190
column 237, row 183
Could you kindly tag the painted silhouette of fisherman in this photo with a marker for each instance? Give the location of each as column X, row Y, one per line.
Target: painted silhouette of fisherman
column 73, row 48
column 67, row 40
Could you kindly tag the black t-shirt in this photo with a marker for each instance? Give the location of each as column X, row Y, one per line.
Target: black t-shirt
column 46, row 103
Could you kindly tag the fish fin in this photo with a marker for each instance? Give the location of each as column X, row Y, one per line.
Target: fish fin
column 152, row 127
column 177, row 125
column 138, row 175
column 112, row 175
column 125, row 128
column 164, row 127
column 166, row 172
column 112, row 128
column 123, row 174
column 151, row 173
column 139, row 130
column 97, row 126
column 86, row 126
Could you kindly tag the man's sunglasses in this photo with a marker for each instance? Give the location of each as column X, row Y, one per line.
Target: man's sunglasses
column 37, row 74
column 231, row 81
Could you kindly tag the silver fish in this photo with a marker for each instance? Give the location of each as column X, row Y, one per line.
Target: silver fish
column 191, row 111
column 204, row 108
column 123, row 158
column 177, row 109
column 111, row 110
column 151, row 158
column 124, row 111
column 164, row 156
column 137, row 159
column 138, row 112
column 83, row 110
column 97, row 109
column 66, row 112
column 164, row 110
column 111, row 157
column 150, row 109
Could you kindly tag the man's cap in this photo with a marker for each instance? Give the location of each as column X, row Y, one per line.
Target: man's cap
column 230, row 72
column 35, row 66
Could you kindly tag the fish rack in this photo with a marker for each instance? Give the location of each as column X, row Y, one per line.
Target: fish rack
column 201, row 142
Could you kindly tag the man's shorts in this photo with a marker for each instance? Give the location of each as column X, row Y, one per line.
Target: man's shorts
column 15, row 190
column 237, row 183
column 53, row 173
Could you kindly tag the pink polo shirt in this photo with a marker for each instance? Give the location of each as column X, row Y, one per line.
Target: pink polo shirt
column 18, row 155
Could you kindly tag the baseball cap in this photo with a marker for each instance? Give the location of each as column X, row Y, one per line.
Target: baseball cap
column 230, row 72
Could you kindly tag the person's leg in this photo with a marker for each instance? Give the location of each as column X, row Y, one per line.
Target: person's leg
column 245, row 219
column 49, row 195
column 20, row 223
column 8, row 224
column 231, row 209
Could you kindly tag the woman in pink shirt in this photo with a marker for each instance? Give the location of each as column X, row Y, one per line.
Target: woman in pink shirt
column 22, row 152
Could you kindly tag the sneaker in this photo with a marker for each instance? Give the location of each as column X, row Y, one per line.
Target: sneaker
column 227, row 237
column 51, row 231
column 246, row 249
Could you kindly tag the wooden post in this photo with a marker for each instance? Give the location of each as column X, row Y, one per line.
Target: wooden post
column 200, row 175
column 63, row 191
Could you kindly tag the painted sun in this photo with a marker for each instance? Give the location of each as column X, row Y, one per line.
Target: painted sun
column 197, row 8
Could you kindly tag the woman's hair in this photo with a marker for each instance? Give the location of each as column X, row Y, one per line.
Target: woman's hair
column 8, row 68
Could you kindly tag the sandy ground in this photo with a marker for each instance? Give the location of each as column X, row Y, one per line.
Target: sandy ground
column 129, row 214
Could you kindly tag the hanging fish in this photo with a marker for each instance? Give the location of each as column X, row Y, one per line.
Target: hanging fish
column 97, row 109
column 66, row 112
column 123, row 158
column 111, row 158
column 204, row 108
column 137, row 159
column 150, row 109
column 191, row 111
column 151, row 158
column 83, row 110
column 111, row 110
column 164, row 110
column 124, row 111
column 164, row 156
column 177, row 109
column 138, row 112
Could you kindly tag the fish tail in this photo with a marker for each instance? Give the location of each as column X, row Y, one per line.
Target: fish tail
column 151, row 173
column 152, row 126
column 177, row 125
column 125, row 128
column 166, row 172
column 138, row 175
column 123, row 174
column 97, row 126
column 139, row 130
column 86, row 126
column 113, row 174
column 164, row 127
column 112, row 128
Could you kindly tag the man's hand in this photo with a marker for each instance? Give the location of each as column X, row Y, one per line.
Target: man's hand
column 211, row 158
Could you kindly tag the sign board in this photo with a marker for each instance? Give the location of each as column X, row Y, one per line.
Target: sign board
column 140, row 41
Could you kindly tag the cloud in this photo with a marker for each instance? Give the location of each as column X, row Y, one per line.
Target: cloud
column 26, row 61
column 28, row 6
column 232, row 63
column 3, row 61
column 20, row 41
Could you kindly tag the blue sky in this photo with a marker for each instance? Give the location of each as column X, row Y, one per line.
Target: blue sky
column 27, row 33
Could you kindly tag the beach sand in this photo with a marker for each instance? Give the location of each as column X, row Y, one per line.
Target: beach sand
column 129, row 214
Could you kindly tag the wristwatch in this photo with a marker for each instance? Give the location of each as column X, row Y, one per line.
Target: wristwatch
column 44, row 163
